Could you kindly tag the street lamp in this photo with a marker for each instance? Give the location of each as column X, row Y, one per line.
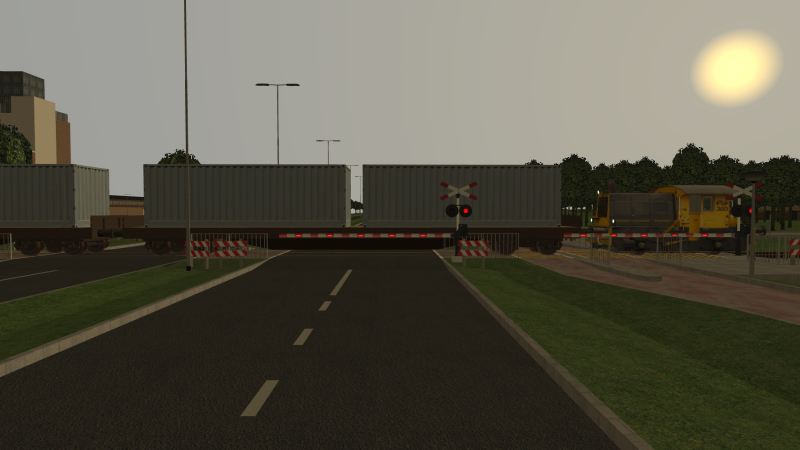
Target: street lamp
column 277, row 100
column 188, row 245
column 753, row 177
column 329, row 146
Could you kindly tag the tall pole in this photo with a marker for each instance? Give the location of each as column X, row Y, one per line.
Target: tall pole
column 753, row 214
column 188, row 245
column 278, row 121
column 329, row 153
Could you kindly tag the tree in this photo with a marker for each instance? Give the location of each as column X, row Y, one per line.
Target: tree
column 690, row 166
column 575, row 181
column 533, row 163
column 14, row 146
column 648, row 175
column 178, row 157
column 624, row 175
column 727, row 170
column 356, row 205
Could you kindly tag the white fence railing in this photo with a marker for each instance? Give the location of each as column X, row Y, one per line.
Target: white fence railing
column 669, row 250
column 601, row 251
column 221, row 246
column 500, row 245
column 777, row 249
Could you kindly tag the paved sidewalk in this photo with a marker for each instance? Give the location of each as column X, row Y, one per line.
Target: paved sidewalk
column 678, row 283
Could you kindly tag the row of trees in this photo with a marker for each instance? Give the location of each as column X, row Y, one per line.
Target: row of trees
column 690, row 166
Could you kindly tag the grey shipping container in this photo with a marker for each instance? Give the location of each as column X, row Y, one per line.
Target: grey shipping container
column 508, row 196
column 52, row 195
column 234, row 195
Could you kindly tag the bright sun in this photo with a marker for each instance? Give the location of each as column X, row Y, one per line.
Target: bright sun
column 736, row 68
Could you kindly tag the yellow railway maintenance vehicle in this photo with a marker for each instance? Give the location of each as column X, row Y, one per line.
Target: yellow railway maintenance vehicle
column 679, row 208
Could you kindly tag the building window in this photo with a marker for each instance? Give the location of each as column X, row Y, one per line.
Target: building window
column 708, row 203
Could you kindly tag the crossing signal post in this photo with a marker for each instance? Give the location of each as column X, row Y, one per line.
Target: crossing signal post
column 458, row 211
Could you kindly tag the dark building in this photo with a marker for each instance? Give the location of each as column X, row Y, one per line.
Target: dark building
column 19, row 84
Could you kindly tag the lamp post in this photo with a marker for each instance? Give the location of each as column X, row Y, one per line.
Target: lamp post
column 329, row 146
column 278, row 109
column 188, row 245
column 753, row 177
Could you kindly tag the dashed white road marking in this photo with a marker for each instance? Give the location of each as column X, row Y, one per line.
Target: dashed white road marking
column 303, row 336
column 325, row 306
column 261, row 397
column 341, row 282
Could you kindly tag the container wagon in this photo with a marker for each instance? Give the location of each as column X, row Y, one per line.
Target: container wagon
column 51, row 206
column 301, row 199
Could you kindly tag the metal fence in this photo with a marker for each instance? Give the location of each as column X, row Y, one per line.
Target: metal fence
column 776, row 249
column 225, row 246
column 601, row 250
column 669, row 249
column 6, row 246
column 501, row 245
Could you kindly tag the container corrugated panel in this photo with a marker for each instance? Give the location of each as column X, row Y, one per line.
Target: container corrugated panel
column 233, row 195
column 508, row 196
column 52, row 195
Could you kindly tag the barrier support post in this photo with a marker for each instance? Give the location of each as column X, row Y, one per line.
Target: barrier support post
column 463, row 261
column 241, row 262
column 220, row 262
column 483, row 262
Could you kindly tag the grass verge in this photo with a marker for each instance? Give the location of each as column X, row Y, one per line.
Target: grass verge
column 29, row 323
column 356, row 221
column 682, row 374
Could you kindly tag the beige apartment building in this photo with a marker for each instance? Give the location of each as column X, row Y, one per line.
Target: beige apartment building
column 22, row 104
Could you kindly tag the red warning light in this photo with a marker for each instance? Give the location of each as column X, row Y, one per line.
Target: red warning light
column 704, row 235
column 423, row 235
column 391, row 235
column 360, row 235
column 330, row 235
column 298, row 235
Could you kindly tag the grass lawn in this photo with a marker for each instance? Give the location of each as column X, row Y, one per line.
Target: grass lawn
column 356, row 221
column 682, row 374
column 29, row 323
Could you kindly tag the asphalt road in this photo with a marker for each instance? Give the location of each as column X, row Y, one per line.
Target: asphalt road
column 24, row 277
column 402, row 357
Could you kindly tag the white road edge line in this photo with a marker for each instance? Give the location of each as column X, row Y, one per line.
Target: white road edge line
column 261, row 397
column 5, row 279
column 303, row 336
column 341, row 283
column 325, row 306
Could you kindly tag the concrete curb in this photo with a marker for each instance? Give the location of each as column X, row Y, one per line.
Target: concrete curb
column 740, row 279
column 635, row 274
column 617, row 430
column 59, row 345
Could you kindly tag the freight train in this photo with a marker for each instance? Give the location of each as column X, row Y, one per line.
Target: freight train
column 66, row 207
column 677, row 208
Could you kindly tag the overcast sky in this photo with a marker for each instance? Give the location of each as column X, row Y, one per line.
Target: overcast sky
column 400, row 82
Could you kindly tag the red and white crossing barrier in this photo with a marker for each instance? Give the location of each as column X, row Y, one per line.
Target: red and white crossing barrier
column 198, row 254
column 474, row 243
column 794, row 243
column 230, row 243
column 198, row 243
column 365, row 235
column 574, row 235
column 473, row 252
